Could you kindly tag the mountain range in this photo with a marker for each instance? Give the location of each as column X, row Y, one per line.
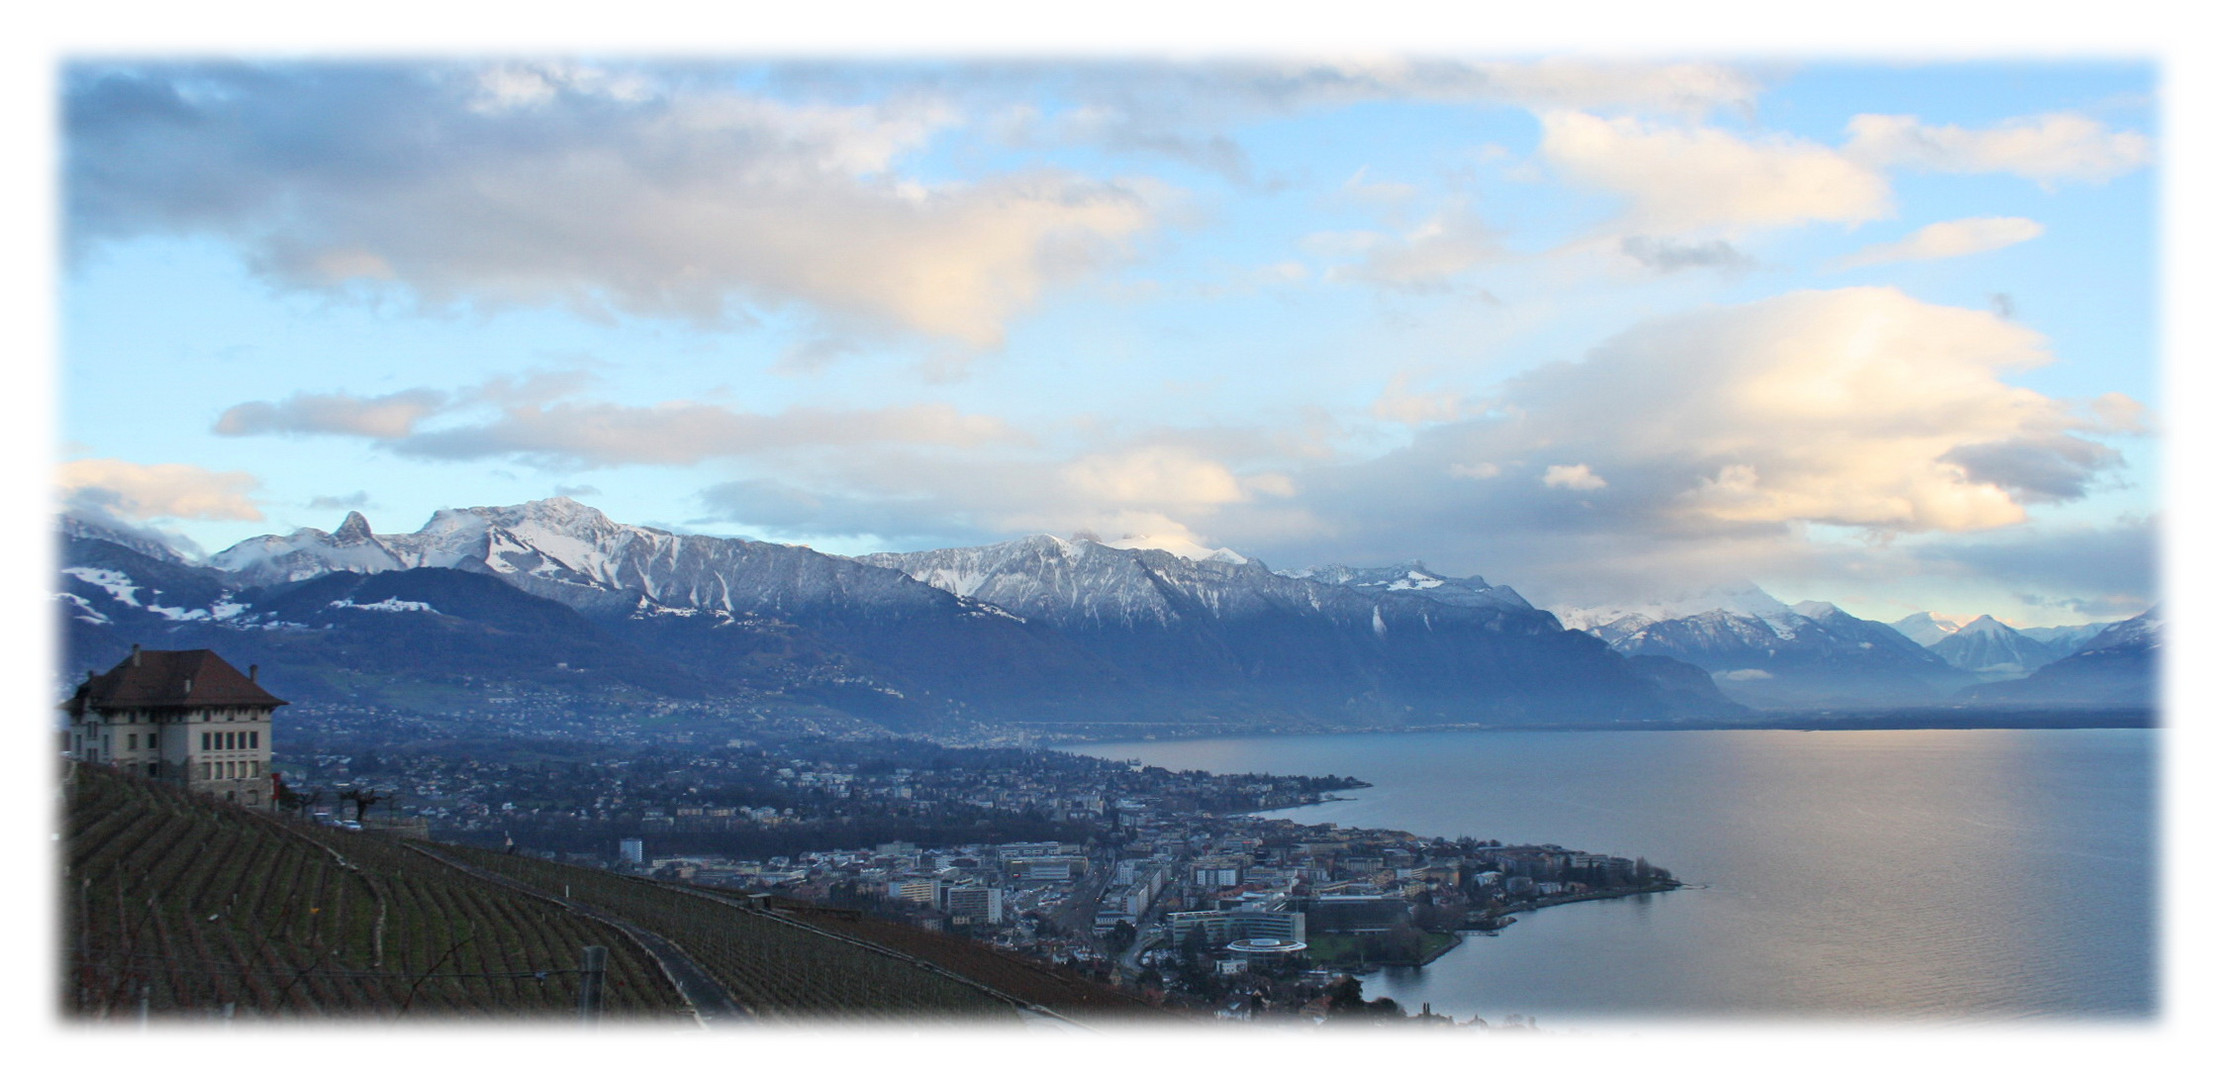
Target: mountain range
column 1040, row 630
column 1769, row 654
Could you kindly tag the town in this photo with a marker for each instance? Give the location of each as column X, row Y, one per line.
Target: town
column 1167, row 882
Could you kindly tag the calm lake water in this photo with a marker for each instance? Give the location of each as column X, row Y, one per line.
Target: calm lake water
column 1899, row 875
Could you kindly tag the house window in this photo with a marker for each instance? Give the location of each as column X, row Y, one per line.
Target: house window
column 153, row 739
column 204, row 741
column 254, row 740
column 130, row 742
column 154, row 769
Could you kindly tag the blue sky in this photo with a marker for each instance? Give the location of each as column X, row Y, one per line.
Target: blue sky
column 1883, row 333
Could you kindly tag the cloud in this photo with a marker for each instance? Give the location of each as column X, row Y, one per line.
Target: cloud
column 1160, row 484
column 531, row 423
column 1949, row 240
column 1164, row 477
column 1556, row 83
column 2048, row 148
column 356, row 501
column 683, row 433
column 533, row 185
column 1681, row 178
column 1178, row 110
column 1714, row 443
column 2101, row 572
column 137, row 492
column 1400, row 404
column 1665, row 255
column 1423, row 259
column 388, row 417
column 1572, row 478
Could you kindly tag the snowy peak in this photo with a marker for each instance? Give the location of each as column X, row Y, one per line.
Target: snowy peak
column 1412, row 578
column 1992, row 650
column 307, row 553
column 1986, row 626
column 123, row 536
column 1926, row 628
column 1080, row 580
column 354, row 531
column 1739, row 599
column 2141, row 632
column 1175, row 545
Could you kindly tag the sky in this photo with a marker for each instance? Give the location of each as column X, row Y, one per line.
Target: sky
column 1883, row 332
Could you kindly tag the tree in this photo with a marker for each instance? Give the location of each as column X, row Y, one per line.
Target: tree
column 363, row 799
column 1346, row 993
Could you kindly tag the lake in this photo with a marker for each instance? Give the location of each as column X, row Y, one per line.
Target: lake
column 1950, row 876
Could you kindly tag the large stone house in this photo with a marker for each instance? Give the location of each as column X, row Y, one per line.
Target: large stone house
column 186, row 717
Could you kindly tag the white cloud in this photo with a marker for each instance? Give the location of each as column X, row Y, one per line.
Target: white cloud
column 2055, row 146
column 512, row 185
column 531, row 423
column 1682, row 178
column 1949, row 240
column 388, row 417
column 1716, row 443
column 1572, row 478
column 1552, row 83
column 1422, row 259
column 1402, row 405
column 1152, row 477
column 138, row 492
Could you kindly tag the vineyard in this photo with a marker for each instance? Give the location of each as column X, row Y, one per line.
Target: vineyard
column 773, row 966
column 177, row 905
column 182, row 906
column 1068, row 994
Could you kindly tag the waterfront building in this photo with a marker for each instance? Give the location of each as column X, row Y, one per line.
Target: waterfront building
column 1221, row 927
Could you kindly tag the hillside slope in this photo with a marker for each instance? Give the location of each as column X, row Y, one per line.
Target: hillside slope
column 197, row 905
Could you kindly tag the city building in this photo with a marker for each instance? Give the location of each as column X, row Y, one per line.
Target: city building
column 1221, row 927
column 186, row 717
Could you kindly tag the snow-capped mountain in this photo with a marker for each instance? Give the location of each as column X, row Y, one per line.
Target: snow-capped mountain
column 1413, row 577
column 1043, row 624
column 2117, row 666
column 1992, row 650
column 1740, row 599
column 399, row 626
column 1768, row 653
column 2066, row 639
column 1203, row 625
column 571, row 552
column 307, row 553
column 1926, row 628
column 2141, row 633
column 1081, row 583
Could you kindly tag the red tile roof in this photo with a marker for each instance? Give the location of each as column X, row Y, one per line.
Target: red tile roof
column 154, row 678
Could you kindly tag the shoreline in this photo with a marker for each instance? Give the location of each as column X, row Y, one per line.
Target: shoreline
column 1502, row 917
column 1916, row 718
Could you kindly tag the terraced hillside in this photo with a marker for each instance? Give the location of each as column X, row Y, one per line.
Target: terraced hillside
column 190, row 906
column 762, row 949
column 182, row 905
column 773, row 967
